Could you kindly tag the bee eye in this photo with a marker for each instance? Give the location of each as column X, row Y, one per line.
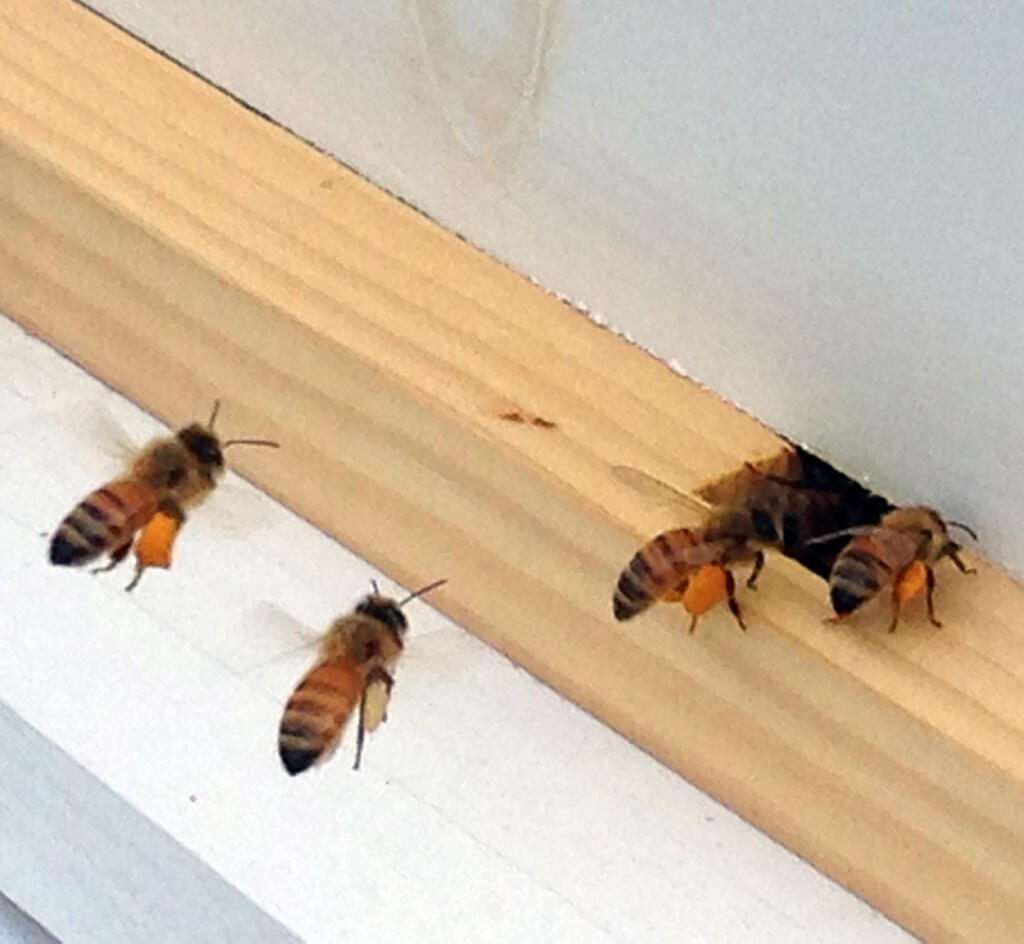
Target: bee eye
column 175, row 477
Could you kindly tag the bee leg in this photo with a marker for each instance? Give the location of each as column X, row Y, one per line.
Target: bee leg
column 116, row 556
column 693, row 624
column 360, row 730
column 895, row 606
column 375, row 675
column 730, row 593
column 134, row 582
column 953, row 554
column 929, row 588
column 758, row 564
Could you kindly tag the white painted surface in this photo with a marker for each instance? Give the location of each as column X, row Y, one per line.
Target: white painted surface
column 93, row 868
column 816, row 208
column 487, row 808
column 16, row 927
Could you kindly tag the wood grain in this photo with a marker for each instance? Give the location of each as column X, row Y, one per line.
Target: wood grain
column 183, row 248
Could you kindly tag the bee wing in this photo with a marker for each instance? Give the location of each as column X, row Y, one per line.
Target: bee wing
column 660, row 492
column 52, row 458
column 84, row 430
column 707, row 552
column 235, row 509
column 271, row 629
column 102, row 431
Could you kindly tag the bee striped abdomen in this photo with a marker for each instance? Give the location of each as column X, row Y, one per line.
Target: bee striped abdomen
column 316, row 713
column 857, row 576
column 102, row 522
column 656, row 570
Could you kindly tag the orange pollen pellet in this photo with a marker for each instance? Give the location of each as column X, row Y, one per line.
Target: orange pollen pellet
column 705, row 589
column 153, row 548
column 911, row 582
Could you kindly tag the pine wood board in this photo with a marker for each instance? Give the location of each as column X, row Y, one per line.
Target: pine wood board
column 183, row 248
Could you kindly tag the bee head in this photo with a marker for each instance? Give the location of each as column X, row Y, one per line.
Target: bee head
column 384, row 610
column 204, row 445
column 923, row 522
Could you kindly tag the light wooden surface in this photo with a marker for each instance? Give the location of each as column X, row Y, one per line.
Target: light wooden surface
column 182, row 249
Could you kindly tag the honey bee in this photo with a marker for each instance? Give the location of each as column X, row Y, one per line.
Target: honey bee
column 356, row 659
column 166, row 478
column 692, row 566
column 778, row 503
column 901, row 551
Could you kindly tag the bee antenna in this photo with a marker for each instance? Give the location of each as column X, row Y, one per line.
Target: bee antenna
column 963, row 527
column 251, row 442
column 422, row 590
column 213, row 415
column 376, row 589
